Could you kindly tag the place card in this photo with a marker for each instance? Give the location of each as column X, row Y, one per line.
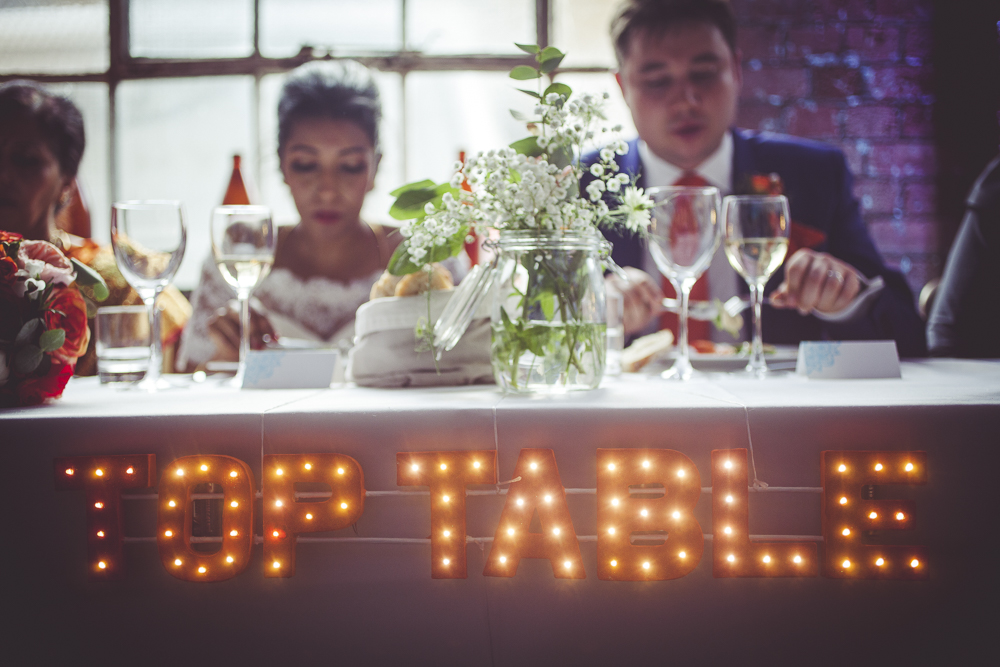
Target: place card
column 859, row 359
column 290, row 369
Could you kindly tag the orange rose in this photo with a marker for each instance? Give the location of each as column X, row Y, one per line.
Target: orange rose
column 33, row 390
column 67, row 310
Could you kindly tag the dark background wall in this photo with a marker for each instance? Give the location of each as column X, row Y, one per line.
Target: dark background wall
column 909, row 89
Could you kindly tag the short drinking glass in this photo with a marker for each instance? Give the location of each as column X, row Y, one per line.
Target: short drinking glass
column 122, row 342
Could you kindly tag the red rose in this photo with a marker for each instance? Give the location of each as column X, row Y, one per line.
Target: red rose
column 34, row 390
column 9, row 237
column 67, row 310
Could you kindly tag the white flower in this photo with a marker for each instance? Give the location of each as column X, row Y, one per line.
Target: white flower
column 456, row 180
column 614, row 185
column 597, row 169
column 607, row 154
column 429, row 208
column 623, row 178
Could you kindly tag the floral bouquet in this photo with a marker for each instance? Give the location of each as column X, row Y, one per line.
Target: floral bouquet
column 43, row 318
column 530, row 192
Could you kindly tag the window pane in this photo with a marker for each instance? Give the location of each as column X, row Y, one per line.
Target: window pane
column 191, row 28
column 273, row 190
column 52, row 36
column 340, row 26
column 581, row 30
column 460, row 26
column 176, row 139
column 92, row 99
column 448, row 112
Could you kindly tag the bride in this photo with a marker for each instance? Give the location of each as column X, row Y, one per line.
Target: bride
column 325, row 266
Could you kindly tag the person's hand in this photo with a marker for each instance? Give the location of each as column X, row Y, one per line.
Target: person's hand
column 816, row 281
column 224, row 329
column 642, row 298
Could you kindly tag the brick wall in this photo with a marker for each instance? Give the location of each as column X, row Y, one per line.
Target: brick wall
column 854, row 73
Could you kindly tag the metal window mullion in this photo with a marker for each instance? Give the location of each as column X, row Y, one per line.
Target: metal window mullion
column 543, row 20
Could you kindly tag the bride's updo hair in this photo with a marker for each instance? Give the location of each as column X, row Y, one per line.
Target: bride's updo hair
column 339, row 89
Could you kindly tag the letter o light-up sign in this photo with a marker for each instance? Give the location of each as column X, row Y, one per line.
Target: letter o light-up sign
column 173, row 523
column 285, row 517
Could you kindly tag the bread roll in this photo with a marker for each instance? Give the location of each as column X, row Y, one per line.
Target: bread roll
column 645, row 349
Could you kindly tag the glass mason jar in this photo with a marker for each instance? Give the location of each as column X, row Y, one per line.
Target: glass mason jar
column 548, row 311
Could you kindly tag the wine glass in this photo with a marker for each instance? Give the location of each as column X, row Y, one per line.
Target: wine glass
column 148, row 238
column 756, row 230
column 684, row 235
column 243, row 244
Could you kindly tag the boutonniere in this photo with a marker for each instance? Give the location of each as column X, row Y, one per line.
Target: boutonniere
column 799, row 235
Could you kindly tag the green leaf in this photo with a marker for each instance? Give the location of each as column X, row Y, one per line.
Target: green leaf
column 528, row 146
column 524, row 118
column 101, row 291
column 549, row 53
column 410, row 204
column 27, row 359
column 418, row 185
column 560, row 88
column 401, row 264
column 531, row 92
column 91, row 308
column 548, row 303
column 551, row 64
column 524, row 73
column 30, row 331
column 52, row 340
column 527, row 48
column 88, row 276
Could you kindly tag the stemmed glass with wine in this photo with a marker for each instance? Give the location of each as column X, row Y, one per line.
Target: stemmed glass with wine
column 149, row 238
column 243, row 244
column 684, row 235
column 756, row 232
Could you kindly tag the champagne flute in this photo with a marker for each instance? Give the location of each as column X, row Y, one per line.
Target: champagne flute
column 684, row 235
column 148, row 238
column 243, row 244
column 756, row 229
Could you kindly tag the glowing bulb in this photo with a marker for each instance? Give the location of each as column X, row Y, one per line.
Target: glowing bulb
column 611, row 466
column 842, row 468
column 727, row 530
column 275, row 565
column 729, row 499
column 70, row 471
column 475, row 464
column 681, row 473
column 229, row 559
column 309, row 466
column 309, row 517
column 446, row 561
column 278, row 503
column 914, row 563
column 275, row 533
column 102, row 565
column 611, row 530
column 880, row 562
column 728, row 465
column 129, row 470
column 444, row 466
column 233, row 473
column 909, row 467
column 503, row 559
column 644, row 512
column 873, row 515
column 845, row 532
column 843, row 500
column 236, row 504
column 445, row 498
column 900, row 516
column 233, row 533
column 534, row 466
column 99, row 472
column 645, row 565
column 168, row 533
column 614, row 501
column 510, row 531
column 797, row 559
column 846, row 564
column 180, row 472
column 614, row 563
column 100, row 533
column 683, row 554
column 447, row 533
column 520, row 502
column 676, row 515
column 340, row 471
column 201, row 570
column 567, row 564
column 555, row 531
column 204, row 468
column 731, row 558
column 279, row 471
column 178, row 562
column 548, row 499
column 343, row 506
column 414, row 467
column 878, row 466
column 171, row 504
column 645, row 464
column 99, row 505
column 767, row 559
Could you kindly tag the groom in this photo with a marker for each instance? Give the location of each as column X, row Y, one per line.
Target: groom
column 679, row 72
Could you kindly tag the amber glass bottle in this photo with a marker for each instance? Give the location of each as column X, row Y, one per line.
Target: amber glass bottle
column 236, row 193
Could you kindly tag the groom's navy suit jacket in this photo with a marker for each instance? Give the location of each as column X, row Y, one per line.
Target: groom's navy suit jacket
column 817, row 183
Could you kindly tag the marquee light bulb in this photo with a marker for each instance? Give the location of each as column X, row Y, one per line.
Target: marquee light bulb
column 728, row 530
column 475, row 464
column 70, row 471
column 644, row 512
column 878, row 466
column 676, row 515
column 201, row 570
column 278, row 503
column 534, row 466
column 235, row 504
column 102, row 565
column 233, row 533
column 797, row 559
column 611, row 530
column 728, row 465
column 275, row 565
column 681, row 473
column 567, row 565
column 767, row 559
column 611, row 466
column 873, row 515
column 204, row 468
column 168, row 533
column 309, row 466
column 340, row 471
column 178, row 562
column 843, row 500
column 171, row 504
column 343, row 506
column 614, row 563
column 548, row 498
column 444, row 498
column 503, row 559
column 842, row 468
column 99, row 472
column 645, row 464
column 731, row 558
column 446, row 561
column 233, row 473
column 444, row 466
column 275, row 533
column 555, row 531
column 909, row 467
column 914, row 563
column 614, row 501
column 100, row 533
column 645, row 565
column 510, row 531
column 880, row 562
column 180, row 472
column 99, row 505
column 900, row 516
column 447, row 533
column 846, row 564
column 683, row 554
column 846, row 532
column 279, row 471
column 309, row 517
column 229, row 559
column 414, row 467
column 729, row 499
column 520, row 502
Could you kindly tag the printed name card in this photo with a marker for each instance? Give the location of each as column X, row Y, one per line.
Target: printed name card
column 290, row 369
column 863, row 359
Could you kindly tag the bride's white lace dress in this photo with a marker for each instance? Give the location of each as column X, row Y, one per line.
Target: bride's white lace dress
column 322, row 307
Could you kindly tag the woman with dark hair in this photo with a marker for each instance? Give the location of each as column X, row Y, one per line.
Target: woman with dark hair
column 325, row 266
